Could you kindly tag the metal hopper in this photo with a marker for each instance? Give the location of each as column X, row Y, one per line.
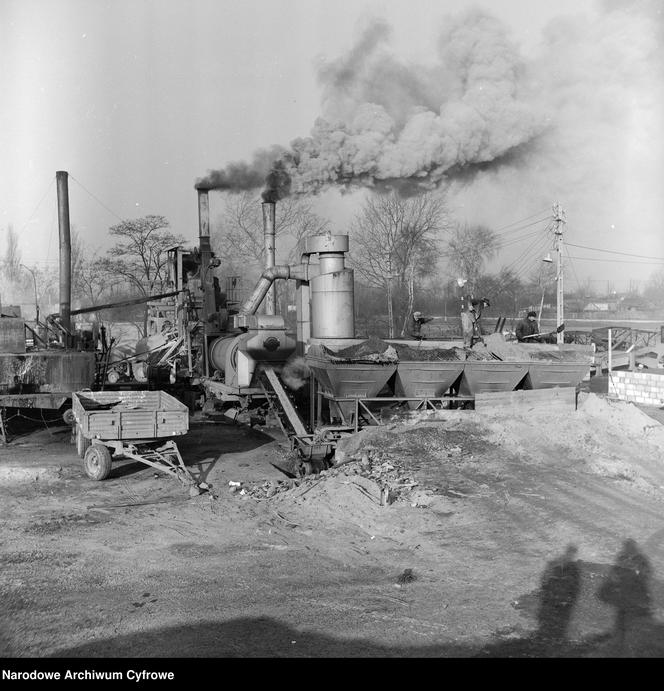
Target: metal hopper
column 485, row 376
column 350, row 380
column 546, row 375
column 428, row 379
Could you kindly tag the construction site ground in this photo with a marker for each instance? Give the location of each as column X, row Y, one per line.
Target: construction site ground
column 464, row 534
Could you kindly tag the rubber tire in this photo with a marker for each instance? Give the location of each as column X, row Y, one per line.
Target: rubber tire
column 97, row 462
column 68, row 417
column 82, row 443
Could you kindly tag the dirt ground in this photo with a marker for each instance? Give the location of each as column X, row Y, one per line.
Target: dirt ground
column 458, row 535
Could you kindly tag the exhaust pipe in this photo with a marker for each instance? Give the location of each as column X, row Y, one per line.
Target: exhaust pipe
column 62, row 182
column 207, row 279
column 270, row 252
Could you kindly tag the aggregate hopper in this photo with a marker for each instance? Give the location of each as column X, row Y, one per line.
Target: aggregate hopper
column 426, row 373
column 482, row 376
column 345, row 375
column 546, row 375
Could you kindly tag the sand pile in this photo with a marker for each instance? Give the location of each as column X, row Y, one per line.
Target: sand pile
column 372, row 350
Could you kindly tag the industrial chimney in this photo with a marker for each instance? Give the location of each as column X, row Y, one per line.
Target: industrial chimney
column 207, row 283
column 62, row 181
column 270, row 253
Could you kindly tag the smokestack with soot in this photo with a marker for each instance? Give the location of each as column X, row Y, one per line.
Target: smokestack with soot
column 62, row 182
column 207, row 284
column 269, row 209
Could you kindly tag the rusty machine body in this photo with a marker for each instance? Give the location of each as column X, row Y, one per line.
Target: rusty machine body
column 40, row 367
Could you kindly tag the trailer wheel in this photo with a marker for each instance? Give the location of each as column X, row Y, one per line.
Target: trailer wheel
column 68, row 417
column 82, row 443
column 97, row 462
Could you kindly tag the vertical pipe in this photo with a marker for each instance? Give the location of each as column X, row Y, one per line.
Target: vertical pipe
column 610, row 363
column 303, row 316
column 207, row 282
column 203, row 213
column 270, row 253
column 62, row 182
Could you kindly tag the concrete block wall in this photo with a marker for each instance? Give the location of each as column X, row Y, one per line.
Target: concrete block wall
column 645, row 387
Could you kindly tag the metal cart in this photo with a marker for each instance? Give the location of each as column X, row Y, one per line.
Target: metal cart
column 129, row 424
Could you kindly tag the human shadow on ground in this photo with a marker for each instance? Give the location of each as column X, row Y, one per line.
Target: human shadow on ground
column 567, row 584
column 625, row 588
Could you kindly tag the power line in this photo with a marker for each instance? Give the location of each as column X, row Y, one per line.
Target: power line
column 533, row 260
column 618, row 261
column 624, row 254
column 38, row 205
column 96, row 199
column 578, row 283
column 521, row 238
column 509, row 225
column 527, row 252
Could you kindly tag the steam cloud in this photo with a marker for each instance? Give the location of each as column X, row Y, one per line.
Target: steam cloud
column 295, row 373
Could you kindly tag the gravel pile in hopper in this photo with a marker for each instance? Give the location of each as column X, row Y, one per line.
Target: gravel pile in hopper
column 377, row 350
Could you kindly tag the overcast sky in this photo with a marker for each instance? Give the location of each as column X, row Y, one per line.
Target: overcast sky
column 137, row 99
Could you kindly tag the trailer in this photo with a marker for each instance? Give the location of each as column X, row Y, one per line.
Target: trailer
column 130, row 424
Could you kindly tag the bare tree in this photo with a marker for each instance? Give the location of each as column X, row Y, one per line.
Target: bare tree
column 241, row 238
column 468, row 249
column 140, row 257
column 654, row 289
column 12, row 261
column 94, row 285
column 395, row 241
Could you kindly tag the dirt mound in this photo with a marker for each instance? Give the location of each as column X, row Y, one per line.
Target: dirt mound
column 620, row 415
column 464, row 454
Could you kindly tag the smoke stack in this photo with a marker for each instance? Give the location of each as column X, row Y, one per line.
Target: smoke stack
column 203, row 213
column 207, row 283
column 62, row 181
column 270, row 253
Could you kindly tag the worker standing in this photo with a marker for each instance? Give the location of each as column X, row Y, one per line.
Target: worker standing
column 470, row 322
column 415, row 326
column 527, row 328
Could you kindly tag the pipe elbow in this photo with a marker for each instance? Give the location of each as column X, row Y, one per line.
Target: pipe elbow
column 272, row 273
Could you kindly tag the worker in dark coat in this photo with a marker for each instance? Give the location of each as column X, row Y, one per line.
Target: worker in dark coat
column 415, row 326
column 527, row 327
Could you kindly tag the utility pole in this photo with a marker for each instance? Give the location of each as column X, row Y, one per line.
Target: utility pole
column 559, row 220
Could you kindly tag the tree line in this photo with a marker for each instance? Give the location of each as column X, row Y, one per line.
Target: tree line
column 408, row 254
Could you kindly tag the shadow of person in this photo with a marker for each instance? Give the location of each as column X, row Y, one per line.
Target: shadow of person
column 558, row 593
column 627, row 588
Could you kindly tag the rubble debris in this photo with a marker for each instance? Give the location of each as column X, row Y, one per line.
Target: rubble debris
column 406, row 577
column 394, row 482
